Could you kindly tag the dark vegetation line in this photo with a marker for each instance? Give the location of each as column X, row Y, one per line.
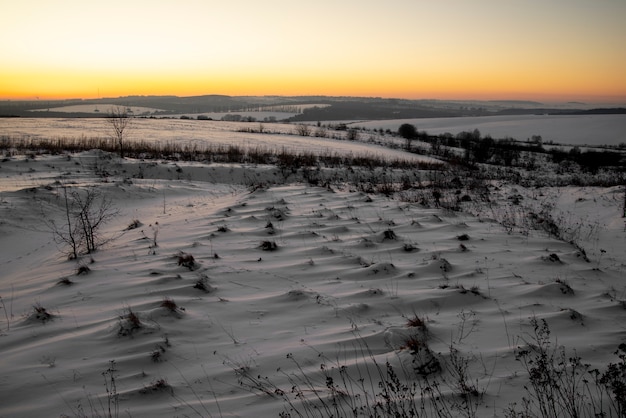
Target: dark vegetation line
column 510, row 152
column 209, row 153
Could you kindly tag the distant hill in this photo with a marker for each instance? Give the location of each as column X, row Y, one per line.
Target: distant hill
column 309, row 108
column 372, row 109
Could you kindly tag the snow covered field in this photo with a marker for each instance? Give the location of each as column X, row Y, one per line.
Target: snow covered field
column 288, row 284
column 571, row 130
column 275, row 136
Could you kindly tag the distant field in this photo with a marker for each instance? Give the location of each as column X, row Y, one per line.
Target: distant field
column 571, row 129
column 96, row 109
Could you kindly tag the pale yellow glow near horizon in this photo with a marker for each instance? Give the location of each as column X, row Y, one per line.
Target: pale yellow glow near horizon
column 449, row 49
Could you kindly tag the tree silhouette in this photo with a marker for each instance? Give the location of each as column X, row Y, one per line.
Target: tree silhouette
column 408, row 132
column 120, row 122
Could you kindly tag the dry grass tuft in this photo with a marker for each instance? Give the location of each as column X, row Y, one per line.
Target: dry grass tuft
column 268, row 246
column 186, row 260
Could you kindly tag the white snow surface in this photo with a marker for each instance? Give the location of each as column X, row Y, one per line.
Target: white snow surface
column 276, row 137
column 591, row 130
column 335, row 282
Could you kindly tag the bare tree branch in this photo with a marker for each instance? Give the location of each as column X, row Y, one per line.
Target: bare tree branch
column 120, row 122
column 85, row 212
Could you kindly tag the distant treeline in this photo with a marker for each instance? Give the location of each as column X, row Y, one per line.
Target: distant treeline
column 381, row 109
column 509, row 152
column 598, row 111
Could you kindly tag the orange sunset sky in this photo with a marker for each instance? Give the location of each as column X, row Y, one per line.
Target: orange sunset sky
column 545, row 50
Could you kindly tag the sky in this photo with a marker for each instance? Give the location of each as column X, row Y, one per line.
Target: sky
column 550, row 51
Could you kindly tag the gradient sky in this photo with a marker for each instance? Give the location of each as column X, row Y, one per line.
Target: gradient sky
column 546, row 50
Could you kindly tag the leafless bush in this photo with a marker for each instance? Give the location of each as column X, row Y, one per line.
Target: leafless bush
column 389, row 234
column 562, row 385
column 134, row 224
column 203, row 284
column 416, row 321
column 159, row 385
column 302, row 130
column 186, row 260
column 169, row 304
column 129, row 323
column 85, row 212
column 269, row 246
column 65, row 281
column 120, row 122
column 40, row 313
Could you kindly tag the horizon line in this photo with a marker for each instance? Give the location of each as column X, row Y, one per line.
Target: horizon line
column 613, row 100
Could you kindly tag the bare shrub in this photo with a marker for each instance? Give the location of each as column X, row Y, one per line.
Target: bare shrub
column 389, row 234
column 468, row 391
column 134, row 224
column 169, row 304
column 561, row 384
column 85, row 212
column 65, row 281
column 111, row 390
column 40, row 313
column 413, row 343
column 83, row 269
column 302, row 130
column 203, row 284
column 564, row 286
column 155, row 355
column 159, row 385
column 129, row 323
column 475, row 290
column 416, row 321
column 352, row 135
column 268, row 246
column 425, row 361
column 186, row 260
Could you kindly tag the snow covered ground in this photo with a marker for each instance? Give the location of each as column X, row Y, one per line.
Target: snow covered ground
column 275, row 136
column 570, row 129
column 288, row 282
